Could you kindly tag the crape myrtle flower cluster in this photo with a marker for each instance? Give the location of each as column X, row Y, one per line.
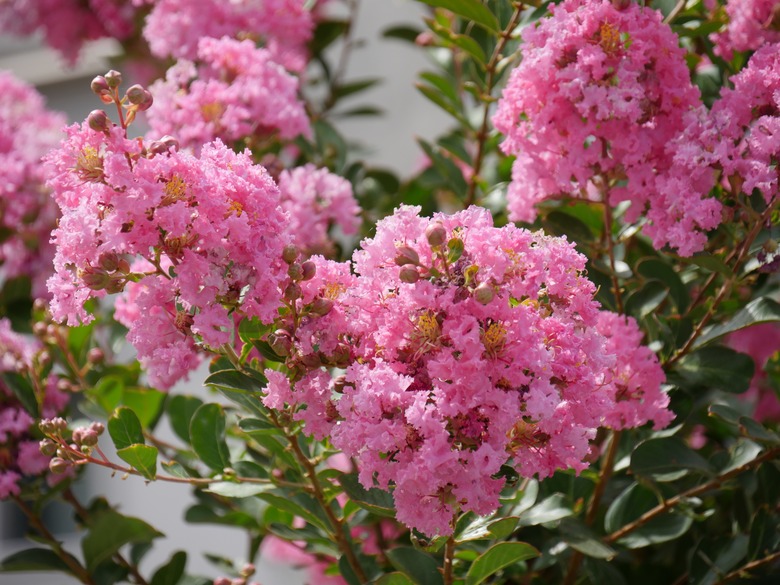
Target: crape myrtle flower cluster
column 67, row 24
column 751, row 25
column 27, row 212
column 19, row 449
column 232, row 91
column 174, row 28
column 209, row 228
column 466, row 347
column 762, row 343
column 599, row 93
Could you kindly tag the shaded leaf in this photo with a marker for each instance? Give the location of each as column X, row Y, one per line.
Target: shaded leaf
column 142, row 458
column 420, row 567
column 717, row 367
column 667, row 459
column 472, row 10
column 23, row 391
column 125, row 428
column 207, row 435
column 231, row 489
column 374, row 500
column 172, row 571
column 180, row 410
column 496, row 558
column 33, row 559
column 761, row 310
column 548, row 510
column 109, row 532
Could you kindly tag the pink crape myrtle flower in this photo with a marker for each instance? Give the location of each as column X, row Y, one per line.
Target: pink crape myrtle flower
column 589, row 111
column 209, row 227
column 174, row 28
column 468, row 347
column 751, row 25
column 315, row 200
column 234, row 91
column 761, row 342
column 20, row 456
column 27, row 211
column 67, row 24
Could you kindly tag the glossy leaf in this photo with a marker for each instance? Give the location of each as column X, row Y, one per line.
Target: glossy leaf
column 472, row 10
column 207, row 435
column 420, row 567
column 234, row 380
column 374, row 500
column 180, row 410
column 109, row 532
column 125, row 428
column 667, row 459
column 498, row 557
column 146, row 403
column 761, row 310
column 142, row 458
column 231, row 489
column 23, row 391
column 655, row 269
column 548, row 510
column 717, row 367
column 172, row 571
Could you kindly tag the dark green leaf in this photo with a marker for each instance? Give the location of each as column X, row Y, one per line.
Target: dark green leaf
column 667, row 459
column 202, row 514
column 443, row 86
column 421, row 568
column 147, row 403
column 560, row 223
column 109, row 532
column 23, row 391
column 326, row 32
column 717, row 367
column 496, row 558
column 764, row 534
column 180, row 410
column 256, row 426
column 435, row 96
column 234, row 380
column 404, row 33
column 655, row 269
column 644, row 301
column 342, row 91
column 125, row 428
column 298, row 506
column 709, row 262
column 472, row 10
column 142, row 458
column 171, row 572
column 393, row 579
column 756, row 431
column 761, row 310
column 33, row 559
column 581, row 538
column 548, row 510
column 374, row 500
column 207, row 435
column 715, row 557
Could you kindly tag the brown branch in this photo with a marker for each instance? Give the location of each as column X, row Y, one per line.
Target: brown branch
column 483, row 133
column 449, row 554
column 608, row 221
column 741, row 572
column 72, row 562
column 670, row 503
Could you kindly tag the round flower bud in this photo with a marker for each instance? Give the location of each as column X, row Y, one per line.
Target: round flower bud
column 96, row 356
column 58, row 465
column 292, row 292
column 163, row 145
column 109, row 261
column 281, row 342
column 484, row 293
column 309, row 270
column 321, row 306
column 406, row 255
column 290, row 253
column 135, row 94
column 409, row 274
column 147, row 101
column 436, row 234
column 98, row 121
column 64, row 385
column 95, row 279
column 248, row 570
column 113, row 79
column 221, row 581
column 78, row 435
column 40, row 305
column 89, row 438
column 100, row 86
column 97, row 427
column 39, row 329
column 295, row 271
column 47, row 447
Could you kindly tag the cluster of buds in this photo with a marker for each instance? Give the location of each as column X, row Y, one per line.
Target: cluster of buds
column 243, row 577
column 67, row 452
column 136, row 99
column 111, row 274
column 447, row 263
column 297, row 271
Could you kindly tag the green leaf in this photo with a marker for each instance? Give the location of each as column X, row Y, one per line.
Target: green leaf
column 374, row 500
column 717, row 367
column 171, row 572
column 761, row 310
column 645, row 300
column 298, row 506
column 146, row 403
column 255, row 427
column 581, row 538
column 421, row 568
column 326, row 32
column 404, row 33
column 560, row 223
column 634, row 501
column 714, row 557
column 548, row 510
column 109, row 532
column 125, row 428
column 708, row 262
column 33, row 559
column 496, row 558
column 655, row 269
column 472, row 10
column 393, row 579
column 231, row 489
column 455, row 250
column 353, row 87
column 207, row 435
column 23, row 391
column 764, row 532
column 435, row 96
column 108, row 392
column 142, row 458
column 667, row 459
column 235, row 380
column 180, row 410
column 756, row 431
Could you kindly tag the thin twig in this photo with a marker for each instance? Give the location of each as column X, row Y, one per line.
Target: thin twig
column 744, row 569
column 449, row 555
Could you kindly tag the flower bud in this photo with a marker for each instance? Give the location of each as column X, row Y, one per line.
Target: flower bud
column 135, row 94
column 484, row 293
column 113, row 79
column 39, row 329
column 60, row 424
column 58, row 465
column 340, row 357
column 248, row 570
column 339, row 383
column 96, row 356
column 40, row 305
column 100, row 86
column 97, row 427
column 47, row 447
column 436, row 234
column 163, row 145
column 221, row 581
column 147, row 103
column 78, row 435
column 406, row 255
column 409, row 274
column 321, row 306
column 64, row 385
column 44, row 359
column 95, row 279
column 89, row 438
column 292, row 292
column 109, row 261
column 290, row 253
column 98, row 121
column 295, row 271
column 281, row 342
column 309, row 270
